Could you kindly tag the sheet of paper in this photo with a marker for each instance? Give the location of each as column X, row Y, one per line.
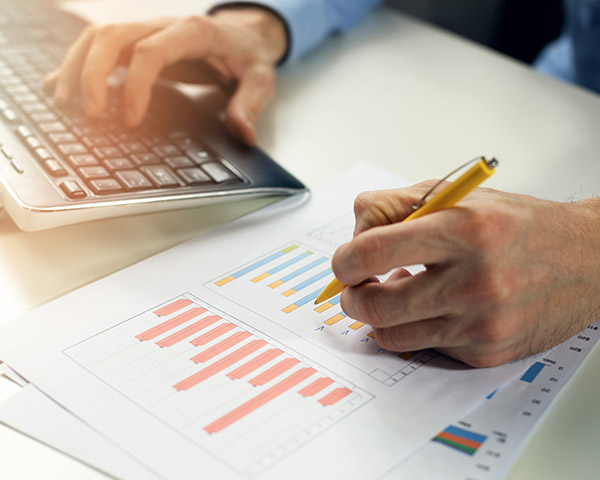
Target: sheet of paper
column 483, row 444
column 210, row 357
column 34, row 414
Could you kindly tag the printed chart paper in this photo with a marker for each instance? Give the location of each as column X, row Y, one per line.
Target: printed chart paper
column 210, row 358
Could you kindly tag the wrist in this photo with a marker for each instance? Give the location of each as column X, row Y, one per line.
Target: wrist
column 266, row 24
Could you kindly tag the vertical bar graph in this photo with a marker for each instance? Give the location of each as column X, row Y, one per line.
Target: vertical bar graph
column 233, row 390
column 532, row 372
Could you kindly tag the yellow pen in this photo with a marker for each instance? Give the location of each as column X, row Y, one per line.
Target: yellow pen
column 446, row 198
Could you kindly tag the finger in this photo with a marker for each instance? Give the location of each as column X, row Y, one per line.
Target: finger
column 103, row 55
column 381, row 249
column 384, row 207
column 49, row 81
column 181, row 40
column 433, row 333
column 67, row 81
column 256, row 87
column 400, row 301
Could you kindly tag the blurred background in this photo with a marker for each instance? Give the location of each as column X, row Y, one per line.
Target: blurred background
column 519, row 28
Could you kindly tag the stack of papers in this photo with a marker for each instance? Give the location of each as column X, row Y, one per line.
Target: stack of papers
column 211, row 359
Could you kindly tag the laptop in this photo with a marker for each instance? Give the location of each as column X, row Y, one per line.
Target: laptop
column 58, row 167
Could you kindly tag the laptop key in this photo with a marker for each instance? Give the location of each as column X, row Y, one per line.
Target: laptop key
column 105, row 186
column 63, row 137
column 86, row 160
column 54, row 168
column 90, row 173
column 161, row 176
column 219, row 172
column 194, row 176
column 134, row 180
column 108, row 152
column 72, row 148
column 179, row 162
column 72, row 189
column 120, row 163
column 147, row 158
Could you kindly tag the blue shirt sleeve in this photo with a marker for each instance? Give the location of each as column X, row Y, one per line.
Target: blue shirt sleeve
column 575, row 55
column 309, row 22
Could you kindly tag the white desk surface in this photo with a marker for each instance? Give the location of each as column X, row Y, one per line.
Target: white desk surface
column 395, row 93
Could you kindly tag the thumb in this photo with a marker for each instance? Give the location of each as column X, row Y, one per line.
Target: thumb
column 255, row 88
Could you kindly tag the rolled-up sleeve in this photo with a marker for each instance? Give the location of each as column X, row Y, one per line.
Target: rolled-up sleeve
column 309, row 22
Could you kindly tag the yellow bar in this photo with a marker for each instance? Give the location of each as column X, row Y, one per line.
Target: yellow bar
column 290, row 308
column 225, row 280
column 406, row 355
column 290, row 248
column 276, row 284
column 372, row 335
column 356, row 325
column 289, row 292
column 322, row 308
column 334, row 319
column 261, row 277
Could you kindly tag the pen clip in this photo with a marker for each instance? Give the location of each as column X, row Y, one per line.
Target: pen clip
column 492, row 163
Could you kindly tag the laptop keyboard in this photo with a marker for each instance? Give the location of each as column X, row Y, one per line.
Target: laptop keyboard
column 84, row 158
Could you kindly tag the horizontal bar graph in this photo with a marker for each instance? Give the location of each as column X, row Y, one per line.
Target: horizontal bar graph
column 237, row 392
column 532, row 372
column 460, row 439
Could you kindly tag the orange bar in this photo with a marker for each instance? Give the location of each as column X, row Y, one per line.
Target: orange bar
column 262, row 276
column 273, row 372
column 173, row 307
column 276, row 283
column 169, row 324
column 289, row 308
column 289, row 292
column 187, row 331
column 460, row 440
column 335, row 396
column 323, row 307
column 356, row 325
column 212, row 334
column 315, row 387
column 220, row 347
column 255, row 363
column 220, row 365
column 260, row 400
column 334, row 319
column 225, row 280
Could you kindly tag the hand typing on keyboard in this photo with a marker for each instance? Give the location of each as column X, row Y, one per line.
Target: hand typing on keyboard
column 242, row 44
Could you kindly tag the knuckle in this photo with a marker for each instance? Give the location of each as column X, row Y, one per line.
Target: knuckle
column 363, row 202
column 369, row 311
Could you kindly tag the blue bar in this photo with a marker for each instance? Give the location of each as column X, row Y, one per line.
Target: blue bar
column 532, row 372
column 312, row 279
column 459, row 432
column 308, row 298
column 306, row 268
column 491, row 394
column 288, row 263
column 260, row 263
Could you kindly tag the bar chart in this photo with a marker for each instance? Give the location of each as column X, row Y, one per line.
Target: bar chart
column 282, row 286
column 228, row 388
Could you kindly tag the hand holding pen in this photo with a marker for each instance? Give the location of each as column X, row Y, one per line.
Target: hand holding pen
column 501, row 280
